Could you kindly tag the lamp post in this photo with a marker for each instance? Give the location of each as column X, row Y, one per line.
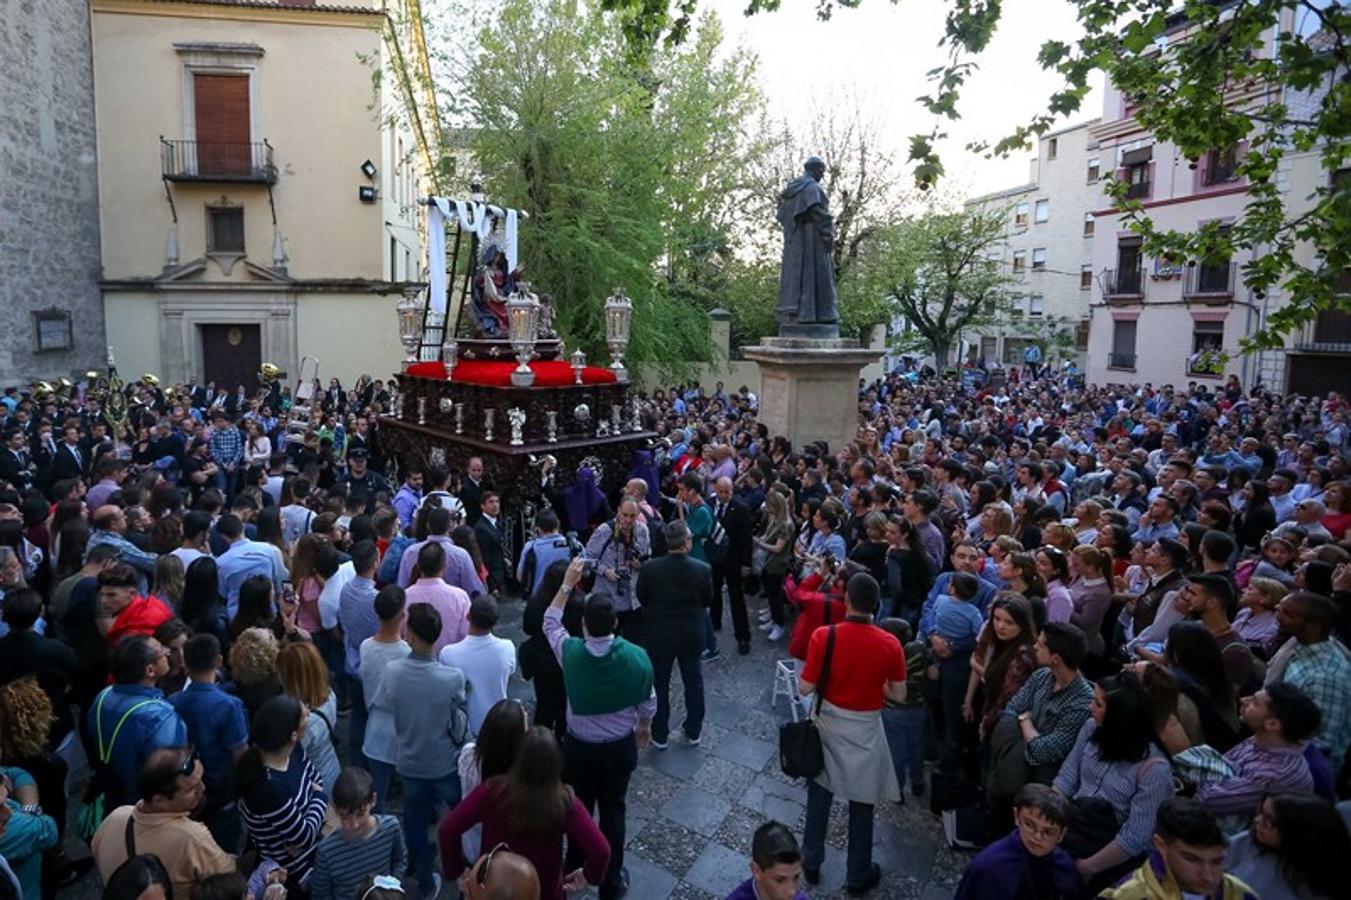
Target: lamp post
column 410, row 325
column 618, row 318
column 523, row 328
column 578, row 364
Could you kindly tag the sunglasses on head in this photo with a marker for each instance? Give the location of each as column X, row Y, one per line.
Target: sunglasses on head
column 482, row 877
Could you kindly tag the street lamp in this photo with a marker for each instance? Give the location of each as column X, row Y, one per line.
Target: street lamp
column 618, row 318
column 410, row 314
column 522, row 329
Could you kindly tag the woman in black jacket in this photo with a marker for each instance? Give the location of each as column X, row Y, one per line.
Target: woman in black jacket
column 1256, row 519
column 537, row 661
column 909, row 574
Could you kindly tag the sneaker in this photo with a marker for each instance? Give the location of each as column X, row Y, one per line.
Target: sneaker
column 436, row 888
column 767, row 625
column 765, row 615
column 775, row 633
column 710, row 654
column 659, row 745
column 692, row 741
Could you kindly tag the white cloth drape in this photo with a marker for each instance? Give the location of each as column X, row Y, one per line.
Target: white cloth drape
column 475, row 218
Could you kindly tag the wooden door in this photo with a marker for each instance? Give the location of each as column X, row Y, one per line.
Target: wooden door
column 231, row 356
column 224, row 128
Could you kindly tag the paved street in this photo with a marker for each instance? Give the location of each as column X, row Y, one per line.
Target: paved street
column 692, row 811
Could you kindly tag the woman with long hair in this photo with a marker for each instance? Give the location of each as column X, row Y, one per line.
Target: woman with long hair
column 169, row 580
column 1053, row 566
column 1116, row 778
column 1297, row 848
column 66, row 511
column 1090, row 594
column 70, row 545
column 531, row 810
column 463, row 537
column 776, row 542
column 257, row 445
column 995, row 521
column 1337, row 499
column 269, row 531
column 200, row 604
column 1019, row 572
column 280, row 800
column 982, row 494
column 303, row 675
column 490, row 755
column 1194, row 659
column 1256, row 519
column 1003, row 659
column 308, row 585
column 909, row 573
column 257, row 608
column 1087, row 516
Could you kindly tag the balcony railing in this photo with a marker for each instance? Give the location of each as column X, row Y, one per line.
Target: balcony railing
column 1121, row 361
column 1213, row 282
column 1331, row 332
column 1137, row 190
column 218, row 161
column 1124, row 284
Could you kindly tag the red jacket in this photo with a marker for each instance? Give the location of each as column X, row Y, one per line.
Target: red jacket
column 815, row 608
column 141, row 616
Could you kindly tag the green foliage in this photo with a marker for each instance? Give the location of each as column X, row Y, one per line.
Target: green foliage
column 610, row 153
column 1203, row 75
column 940, row 271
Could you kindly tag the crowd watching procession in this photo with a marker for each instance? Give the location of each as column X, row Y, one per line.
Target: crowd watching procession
column 1100, row 631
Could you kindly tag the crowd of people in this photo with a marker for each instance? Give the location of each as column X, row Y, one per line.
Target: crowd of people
column 1101, row 629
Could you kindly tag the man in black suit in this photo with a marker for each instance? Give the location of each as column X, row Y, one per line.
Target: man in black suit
column 14, row 465
column 471, row 491
column 736, row 521
column 70, row 456
column 674, row 590
column 490, row 536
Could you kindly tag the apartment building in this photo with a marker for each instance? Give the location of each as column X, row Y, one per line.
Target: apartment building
column 1048, row 250
column 259, row 168
column 1166, row 321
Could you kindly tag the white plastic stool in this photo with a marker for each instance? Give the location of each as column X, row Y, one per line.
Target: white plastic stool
column 785, row 685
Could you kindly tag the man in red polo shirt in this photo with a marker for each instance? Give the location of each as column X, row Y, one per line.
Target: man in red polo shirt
column 867, row 667
column 121, row 611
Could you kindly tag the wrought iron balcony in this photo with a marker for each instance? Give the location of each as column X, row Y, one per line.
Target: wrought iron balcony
column 1137, row 190
column 1211, row 282
column 1124, row 284
column 1330, row 333
column 1121, row 361
column 218, row 161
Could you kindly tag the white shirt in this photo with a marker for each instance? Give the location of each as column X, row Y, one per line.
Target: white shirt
column 187, row 556
column 328, row 597
column 487, row 661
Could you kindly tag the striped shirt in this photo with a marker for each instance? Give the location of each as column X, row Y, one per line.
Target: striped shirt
column 283, row 814
column 341, row 863
column 1136, row 790
column 1260, row 771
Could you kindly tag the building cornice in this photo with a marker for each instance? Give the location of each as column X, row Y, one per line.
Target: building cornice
column 155, row 284
column 245, row 11
column 1173, row 201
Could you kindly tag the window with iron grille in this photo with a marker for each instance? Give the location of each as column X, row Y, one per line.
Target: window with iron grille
column 225, row 229
column 1222, row 165
column 1094, row 170
column 1085, row 277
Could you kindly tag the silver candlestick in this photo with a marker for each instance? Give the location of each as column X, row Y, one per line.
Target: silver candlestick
column 516, row 416
column 459, row 418
column 616, row 418
column 422, row 410
column 636, row 423
column 551, row 425
column 488, row 415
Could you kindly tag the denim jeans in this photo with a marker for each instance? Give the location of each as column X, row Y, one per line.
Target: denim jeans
column 692, row 676
column 858, row 867
column 382, row 775
column 356, row 722
column 710, row 636
column 904, row 726
column 422, row 802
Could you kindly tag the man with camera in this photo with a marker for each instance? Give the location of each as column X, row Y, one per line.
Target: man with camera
column 616, row 550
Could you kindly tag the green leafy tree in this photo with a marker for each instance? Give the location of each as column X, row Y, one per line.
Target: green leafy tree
column 938, row 270
column 1203, row 75
column 631, row 168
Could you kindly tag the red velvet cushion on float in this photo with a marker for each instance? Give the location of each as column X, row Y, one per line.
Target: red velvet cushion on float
column 548, row 373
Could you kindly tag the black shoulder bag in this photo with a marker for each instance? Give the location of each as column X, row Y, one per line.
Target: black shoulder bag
column 800, row 752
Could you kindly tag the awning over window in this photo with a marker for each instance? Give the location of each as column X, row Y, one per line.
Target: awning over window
column 1136, row 157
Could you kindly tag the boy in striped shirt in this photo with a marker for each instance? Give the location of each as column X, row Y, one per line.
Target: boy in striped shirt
column 366, row 844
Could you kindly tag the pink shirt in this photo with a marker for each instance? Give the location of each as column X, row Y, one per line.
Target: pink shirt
column 451, row 602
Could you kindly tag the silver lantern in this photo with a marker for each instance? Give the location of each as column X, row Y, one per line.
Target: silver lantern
column 523, row 329
column 410, row 312
column 618, row 318
column 578, row 364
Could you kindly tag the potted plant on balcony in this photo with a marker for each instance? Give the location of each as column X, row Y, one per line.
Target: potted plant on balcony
column 1210, row 361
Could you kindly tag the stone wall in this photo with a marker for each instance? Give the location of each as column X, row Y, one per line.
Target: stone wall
column 49, row 232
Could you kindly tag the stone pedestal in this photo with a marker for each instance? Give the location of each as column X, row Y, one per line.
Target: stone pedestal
column 809, row 387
